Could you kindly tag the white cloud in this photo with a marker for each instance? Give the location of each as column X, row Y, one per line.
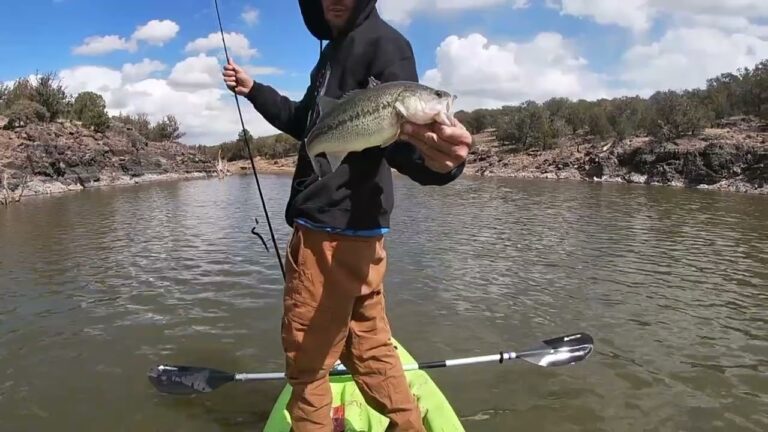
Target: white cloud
column 402, row 11
column 250, row 15
column 701, row 39
column 97, row 45
column 686, row 57
column 635, row 14
column 196, row 73
column 138, row 71
column 263, row 70
column 156, row 32
column 237, row 45
column 193, row 92
column 547, row 66
column 746, row 8
column 728, row 23
column 94, row 78
column 639, row 14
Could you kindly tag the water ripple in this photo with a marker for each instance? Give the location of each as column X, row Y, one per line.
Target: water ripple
column 671, row 283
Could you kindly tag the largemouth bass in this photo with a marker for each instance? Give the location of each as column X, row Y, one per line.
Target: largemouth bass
column 372, row 117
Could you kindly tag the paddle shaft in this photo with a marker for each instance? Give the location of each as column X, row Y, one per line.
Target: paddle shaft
column 340, row 370
column 561, row 351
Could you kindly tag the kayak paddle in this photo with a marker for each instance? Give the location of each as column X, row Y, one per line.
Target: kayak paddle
column 560, row 351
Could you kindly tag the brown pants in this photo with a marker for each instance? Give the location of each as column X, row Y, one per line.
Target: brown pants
column 334, row 309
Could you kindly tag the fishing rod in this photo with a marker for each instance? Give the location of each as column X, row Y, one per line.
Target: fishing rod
column 554, row 352
column 247, row 144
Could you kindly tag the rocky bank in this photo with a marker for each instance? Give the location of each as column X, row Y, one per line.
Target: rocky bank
column 272, row 166
column 54, row 157
column 733, row 156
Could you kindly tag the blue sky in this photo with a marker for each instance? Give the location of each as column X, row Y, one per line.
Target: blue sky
column 43, row 32
column 489, row 52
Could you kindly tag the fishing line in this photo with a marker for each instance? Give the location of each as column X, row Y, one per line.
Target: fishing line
column 250, row 157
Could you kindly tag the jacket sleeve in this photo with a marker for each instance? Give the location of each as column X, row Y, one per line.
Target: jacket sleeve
column 281, row 112
column 397, row 63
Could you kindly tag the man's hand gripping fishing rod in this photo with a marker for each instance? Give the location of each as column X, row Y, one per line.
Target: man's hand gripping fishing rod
column 250, row 157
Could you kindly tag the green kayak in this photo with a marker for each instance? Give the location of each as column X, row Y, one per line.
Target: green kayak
column 350, row 409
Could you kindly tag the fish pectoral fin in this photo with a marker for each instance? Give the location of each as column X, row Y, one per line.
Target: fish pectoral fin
column 400, row 108
column 373, row 82
column 335, row 159
column 395, row 136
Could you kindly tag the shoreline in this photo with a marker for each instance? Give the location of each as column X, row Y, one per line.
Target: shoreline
column 485, row 162
column 477, row 171
column 730, row 185
column 41, row 187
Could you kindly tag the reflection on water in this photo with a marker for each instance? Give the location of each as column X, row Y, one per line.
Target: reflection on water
column 95, row 287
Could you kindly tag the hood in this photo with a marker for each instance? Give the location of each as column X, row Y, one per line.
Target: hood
column 314, row 19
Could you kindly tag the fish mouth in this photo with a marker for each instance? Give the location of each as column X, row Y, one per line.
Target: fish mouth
column 449, row 106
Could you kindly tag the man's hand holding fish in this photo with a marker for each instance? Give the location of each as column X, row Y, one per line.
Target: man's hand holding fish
column 443, row 147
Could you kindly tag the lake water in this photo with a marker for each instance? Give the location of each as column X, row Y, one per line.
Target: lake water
column 98, row 286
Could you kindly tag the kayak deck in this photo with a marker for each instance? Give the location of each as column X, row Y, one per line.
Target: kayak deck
column 351, row 411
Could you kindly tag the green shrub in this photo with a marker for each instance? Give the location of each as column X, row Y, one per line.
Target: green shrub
column 25, row 112
column 166, row 129
column 5, row 90
column 526, row 127
column 21, row 90
column 90, row 109
column 49, row 93
column 139, row 123
column 626, row 116
column 675, row 115
column 597, row 123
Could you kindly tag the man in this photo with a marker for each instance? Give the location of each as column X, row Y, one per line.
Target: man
column 333, row 304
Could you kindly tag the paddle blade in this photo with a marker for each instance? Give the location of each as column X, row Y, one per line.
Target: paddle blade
column 184, row 380
column 560, row 351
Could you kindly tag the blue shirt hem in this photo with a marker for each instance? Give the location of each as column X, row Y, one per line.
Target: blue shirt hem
column 360, row 233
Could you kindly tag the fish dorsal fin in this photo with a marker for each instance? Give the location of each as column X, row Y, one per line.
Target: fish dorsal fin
column 372, row 82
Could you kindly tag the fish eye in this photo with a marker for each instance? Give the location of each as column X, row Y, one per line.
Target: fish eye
column 440, row 93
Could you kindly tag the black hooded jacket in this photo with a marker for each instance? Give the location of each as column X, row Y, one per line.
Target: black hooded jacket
column 358, row 195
